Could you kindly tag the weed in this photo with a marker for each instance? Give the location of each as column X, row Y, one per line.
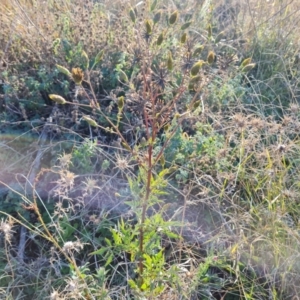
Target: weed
column 157, row 150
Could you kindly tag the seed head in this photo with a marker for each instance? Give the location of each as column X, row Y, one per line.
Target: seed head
column 294, row 108
column 160, row 39
column 55, row 296
column 58, row 99
column 72, row 246
column 246, row 62
column 90, row 121
column 121, row 102
column 157, row 17
column 209, row 31
column 196, row 67
column 173, row 18
column 240, row 121
column 148, row 27
column 170, row 61
column 6, row 228
column 198, row 50
column 63, row 70
column 183, row 38
column 77, row 75
column 211, row 57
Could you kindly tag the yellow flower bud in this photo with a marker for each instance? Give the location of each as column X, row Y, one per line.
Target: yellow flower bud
column 90, row 121
column 196, row 67
column 211, row 57
column 58, row 99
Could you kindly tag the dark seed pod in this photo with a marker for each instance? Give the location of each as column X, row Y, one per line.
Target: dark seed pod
column 173, row 18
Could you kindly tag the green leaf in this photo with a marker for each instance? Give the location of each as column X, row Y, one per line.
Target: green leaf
column 171, row 235
column 99, row 56
column 153, row 5
column 109, row 260
column 116, row 236
column 209, row 31
column 248, row 68
column 132, row 15
column 186, row 25
column 87, row 61
column 122, row 76
column 219, row 37
column 108, row 242
column 157, row 17
column 99, row 251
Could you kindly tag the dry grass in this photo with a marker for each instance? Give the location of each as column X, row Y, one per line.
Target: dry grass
column 233, row 149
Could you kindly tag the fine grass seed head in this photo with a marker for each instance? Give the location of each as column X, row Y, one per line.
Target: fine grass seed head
column 90, row 185
column 122, row 163
column 70, row 247
column 6, row 229
column 55, row 296
column 65, row 160
column 240, row 121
